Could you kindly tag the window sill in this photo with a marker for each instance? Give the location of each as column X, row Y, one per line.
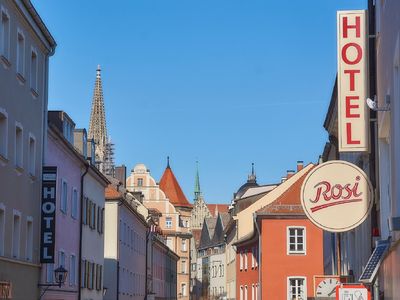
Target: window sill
column 3, row 160
column 19, row 170
column 34, row 93
column 5, row 61
column 296, row 253
column 21, row 78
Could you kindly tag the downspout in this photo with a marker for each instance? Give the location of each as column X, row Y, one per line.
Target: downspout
column 259, row 255
column 80, row 236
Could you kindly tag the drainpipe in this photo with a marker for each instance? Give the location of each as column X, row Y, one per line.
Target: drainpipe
column 80, row 236
column 259, row 255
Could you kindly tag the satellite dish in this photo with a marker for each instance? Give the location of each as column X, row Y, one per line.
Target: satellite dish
column 371, row 104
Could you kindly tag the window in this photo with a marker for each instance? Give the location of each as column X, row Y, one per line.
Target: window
column 20, row 54
column 18, row 145
column 74, row 204
column 252, row 292
column 2, row 227
column 84, row 210
column 184, row 266
column 32, row 155
column 93, row 216
column 241, row 260
column 296, row 240
column 16, row 234
column 168, row 222
column 241, row 293
column 3, row 133
column 140, row 182
column 68, row 130
column 50, row 273
column 245, row 292
column 5, row 35
column 297, row 288
column 184, row 245
column 29, row 238
column 72, row 270
column 183, row 289
column 194, row 267
column 170, row 243
column 34, row 70
column 99, row 276
column 64, row 196
column 61, row 258
column 245, row 260
column 253, row 250
column 256, row 295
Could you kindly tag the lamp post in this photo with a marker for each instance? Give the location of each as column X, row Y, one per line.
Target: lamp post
column 60, row 274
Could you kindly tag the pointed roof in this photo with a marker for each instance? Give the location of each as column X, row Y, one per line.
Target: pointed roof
column 170, row 186
column 197, row 191
column 288, row 203
column 217, row 208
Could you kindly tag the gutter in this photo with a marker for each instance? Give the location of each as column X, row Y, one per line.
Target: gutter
column 259, row 255
column 80, row 236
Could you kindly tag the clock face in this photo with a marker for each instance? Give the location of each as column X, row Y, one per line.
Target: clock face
column 327, row 288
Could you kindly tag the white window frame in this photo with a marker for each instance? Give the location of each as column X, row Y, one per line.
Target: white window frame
column 34, row 77
column 184, row 289
column 20, row 55
column 168, row 222
column 16, row 213
column 19, row 164
column 29, row 243
column 61, row 253
column 74, row 203
column 72, row 270
column 32, row 158
column 4, row 151
column 184, row 245
column 246, row 295
column 241, row 260
column 5, row 53
column 296, row 252
column 253, row 251
column 64, row 201
column 245, row 260
column 253, row 292
column 289, row 286
column 2, row 228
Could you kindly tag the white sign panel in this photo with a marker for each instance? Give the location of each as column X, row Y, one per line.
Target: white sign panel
column 336, row 196
column 353, row 293
column 353, row 112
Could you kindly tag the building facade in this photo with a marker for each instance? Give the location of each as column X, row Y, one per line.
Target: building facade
column 387, row 49
column 175, row 213
column 70, row 165
column 92, row 234
column 25, row 48
column 124, row 245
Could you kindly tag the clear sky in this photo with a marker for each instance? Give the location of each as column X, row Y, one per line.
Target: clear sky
column 224, row 82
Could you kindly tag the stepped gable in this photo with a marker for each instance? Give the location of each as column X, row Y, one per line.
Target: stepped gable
column 289, row 202
column 170, row 186
column 217, row 208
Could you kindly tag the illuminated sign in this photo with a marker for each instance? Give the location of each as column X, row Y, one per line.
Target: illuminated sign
column 336, row 196
column 353, row 112
column 48, row 217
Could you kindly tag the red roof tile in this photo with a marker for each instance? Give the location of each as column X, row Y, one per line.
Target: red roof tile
column 289, row 202
column 112, row 193
column 170, row 186
column 217, row 208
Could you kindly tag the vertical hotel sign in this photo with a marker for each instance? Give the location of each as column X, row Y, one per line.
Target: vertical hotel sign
column 48, row 218
column 353, row 113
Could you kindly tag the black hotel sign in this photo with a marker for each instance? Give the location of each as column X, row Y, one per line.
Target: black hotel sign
column 48, row 219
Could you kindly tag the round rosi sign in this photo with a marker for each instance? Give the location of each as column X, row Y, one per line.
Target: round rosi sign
column 337, row 196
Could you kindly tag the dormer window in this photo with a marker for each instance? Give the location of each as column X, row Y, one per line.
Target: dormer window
column 140, row 182
column 68, row 130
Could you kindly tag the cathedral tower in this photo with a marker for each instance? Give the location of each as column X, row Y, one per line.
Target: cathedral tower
column 98, row 130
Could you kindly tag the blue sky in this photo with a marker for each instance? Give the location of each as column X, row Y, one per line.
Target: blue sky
column 224, row 82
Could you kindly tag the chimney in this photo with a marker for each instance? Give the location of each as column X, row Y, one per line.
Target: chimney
column 120, row 174
column 290, row 173
column 300, row 165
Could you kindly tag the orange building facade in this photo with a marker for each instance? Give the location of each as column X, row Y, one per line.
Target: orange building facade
column 291, row 249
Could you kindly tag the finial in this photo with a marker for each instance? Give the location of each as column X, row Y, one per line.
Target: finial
column 168, row 162
column 252, row 168
column 98, row 71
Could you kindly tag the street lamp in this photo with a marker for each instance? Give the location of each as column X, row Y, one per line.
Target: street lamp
column 60, row 274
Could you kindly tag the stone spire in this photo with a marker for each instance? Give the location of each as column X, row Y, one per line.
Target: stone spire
column 197, row 191
column 98, row 129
